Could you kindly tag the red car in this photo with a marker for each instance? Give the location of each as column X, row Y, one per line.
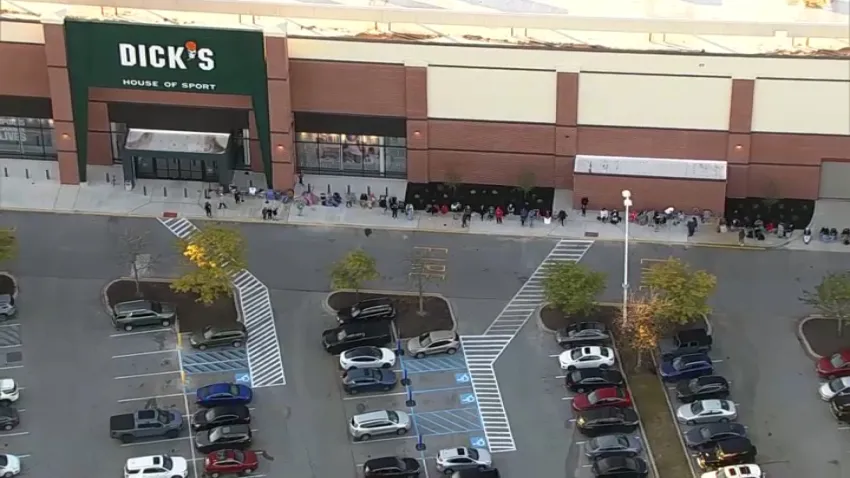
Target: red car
column 836, row 365
column 230, row 462
column 603, row 397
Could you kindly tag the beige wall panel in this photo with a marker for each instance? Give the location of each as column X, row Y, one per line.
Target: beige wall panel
column 807, row 107
column 492, row 95
column 649, row 101
column 745, row 67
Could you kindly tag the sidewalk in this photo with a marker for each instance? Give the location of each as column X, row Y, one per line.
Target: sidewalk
column 156, row 198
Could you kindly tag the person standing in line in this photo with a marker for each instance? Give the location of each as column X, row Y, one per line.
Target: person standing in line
column 741, row 236
column 499, row 214
column 237, row 196
column 523, row 216
column 394, row 209
column 562, row 216
column 208, row 208
column 584, row 202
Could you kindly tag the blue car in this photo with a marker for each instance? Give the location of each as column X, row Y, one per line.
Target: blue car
column 224, row 394
column 686, row 367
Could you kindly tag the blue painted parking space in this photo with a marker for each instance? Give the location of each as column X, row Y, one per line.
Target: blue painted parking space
column 443, row 363
column 448, row 422
column 233, row 360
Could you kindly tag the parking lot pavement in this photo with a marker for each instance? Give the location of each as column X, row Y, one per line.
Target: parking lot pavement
column 21, row 440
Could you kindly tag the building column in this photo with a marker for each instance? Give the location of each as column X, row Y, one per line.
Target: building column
column 99, row 135
column 280, row 113
column 738, row 142
column 416, row 110
column 566, row 128
column 60, row 95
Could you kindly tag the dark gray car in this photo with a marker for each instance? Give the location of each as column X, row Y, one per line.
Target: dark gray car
column 136, row 313
column 234, row 335
column 582, row 333
column 612, row 445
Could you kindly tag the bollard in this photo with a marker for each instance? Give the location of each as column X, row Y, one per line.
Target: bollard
column 399, row 350
column 347, row 189
column 420, row 443
column 250, row 183
column 5, row 171
column 27, row 173
column 329, row 189
column 405, row 380
column 369, row 190
column 164, row 192
column 185, row 193
column 107, row 178
column 47, row 174
column 410, row 401
column 144, row 190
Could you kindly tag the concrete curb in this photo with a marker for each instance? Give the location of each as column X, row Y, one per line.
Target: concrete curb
column 287, row 222
column 538, row 313
column 332, row 312
column 14, row 281
column 801, row 336
column 105, row 298
column 675, row 420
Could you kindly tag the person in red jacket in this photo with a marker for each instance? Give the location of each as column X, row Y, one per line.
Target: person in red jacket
column 444, row 209
column 499, row 214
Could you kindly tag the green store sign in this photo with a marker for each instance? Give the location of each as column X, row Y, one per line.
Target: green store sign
column 165, row 58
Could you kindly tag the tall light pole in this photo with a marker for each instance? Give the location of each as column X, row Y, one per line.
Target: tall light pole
column 627, row 203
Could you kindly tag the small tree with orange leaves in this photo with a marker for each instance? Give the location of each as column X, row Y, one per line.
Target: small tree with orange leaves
column 212, row 253
column 641, row 328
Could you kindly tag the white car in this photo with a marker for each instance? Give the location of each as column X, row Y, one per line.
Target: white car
column 707, row 411
column 450, row 460
column 10, row 465
column 9, row 391
column 838, row 386
column 736, row 471
column 586, row 357
column 367, row 357
column 156, row 466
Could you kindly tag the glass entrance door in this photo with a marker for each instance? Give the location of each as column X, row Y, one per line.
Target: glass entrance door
column 177, row 169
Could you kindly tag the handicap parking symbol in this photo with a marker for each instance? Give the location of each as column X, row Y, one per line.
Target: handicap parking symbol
column 467, row 398
column 243, row 377
column 462, row 378
column 478, row 442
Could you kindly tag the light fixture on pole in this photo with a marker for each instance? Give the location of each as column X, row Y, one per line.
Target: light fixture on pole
column 627, row 203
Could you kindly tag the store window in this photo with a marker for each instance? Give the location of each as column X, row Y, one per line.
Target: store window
column 351, row 155
column 26, row 138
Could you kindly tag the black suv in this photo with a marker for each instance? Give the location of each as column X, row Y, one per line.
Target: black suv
column 128, row 315
column 392, row 466
column 702, row 388
column 370, row 309
column 589, row 379
column 735, row 451
column 601, row 421
column 376, row 334
column 685, row 342
column 476, row 473
column 840, row 407
column 235, row 335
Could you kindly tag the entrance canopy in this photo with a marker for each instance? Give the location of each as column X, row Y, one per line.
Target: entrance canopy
column 175, row 142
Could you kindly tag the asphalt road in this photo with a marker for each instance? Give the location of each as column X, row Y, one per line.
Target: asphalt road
column 70, row 258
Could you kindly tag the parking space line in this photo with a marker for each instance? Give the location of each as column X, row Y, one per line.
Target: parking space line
column 361, row 396
column 153, row 442
column 7, row 435
column 154, row 397
column 185, row 397
column 10, row 325
column 140, row 332
column 139, row 354
column 406, row 437
column 142, row 375
column 9, row 346
column 12, row 367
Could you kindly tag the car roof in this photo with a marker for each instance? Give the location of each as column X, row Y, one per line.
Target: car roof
column 8, row 412
column 602, row 412
column 373, row 302
column 381, row 462
column 712, row 404
column 225, row 409
column 442, row 335
column 615, row 461
column 362, row 372
column 133, row 305
column 236, row 429
column 360, row 351
column 694, row 358
column 692, row 334
column 841, row 400
column 447, row 453
column 705, row 379
column 588, row 325
column 238, row 326
column 736, row 444
column 144, row 461
column 371, row 416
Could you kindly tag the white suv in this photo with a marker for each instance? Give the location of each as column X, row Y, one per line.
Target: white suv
column 9, row 391
column 364, row 426
column 156, row 466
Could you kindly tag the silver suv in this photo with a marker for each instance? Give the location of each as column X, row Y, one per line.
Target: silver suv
column 7, row 307
column 127, row 315
column 430, row 343
column 385, row 422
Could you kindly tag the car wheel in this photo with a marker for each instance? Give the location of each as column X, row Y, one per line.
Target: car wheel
column 448, row 471
column 4, row 317
column 5, row 403
column 571, row 368
column 353, row 391
column 604, row 366
column 403, row 431
column 128, row 327
column 830, row 377
column 690, row 422
column 172, row 434
column 127, row 438
column 249, row 471
column 365, row 437
column 202, row 347
column 580, row 390
column 353, row 367
column 214, row 475
column 420, row 355
column 8, row 427
column 724, row 420
column 165, row 322
column 237, row 343
column 386, row 365
column 451, row 351
column 482, row 468
column 8, row 474
column 387, row 389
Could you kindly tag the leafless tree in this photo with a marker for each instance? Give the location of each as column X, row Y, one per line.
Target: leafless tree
column 424, row 270
column 134, row 250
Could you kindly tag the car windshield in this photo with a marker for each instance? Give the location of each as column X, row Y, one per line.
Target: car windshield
column 593, row 397
column 239, row 456
column 209, row 332
column 697, row 408
column 355, row 311
column 837, row 361
column 211, row 414
column 234, row 390
column 216, row 435
column 837, row 385
column 156, row 307
column 706, row 433
column 425, row 340
column 3, row 460
column 679, row 364
column 341, row 335
column 575, row 354
column 472, row 453
column 167, row 462
column 164, row 418
column 393, row 416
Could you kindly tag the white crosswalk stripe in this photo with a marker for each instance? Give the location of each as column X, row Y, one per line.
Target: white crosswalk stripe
column 482, row 351
column 265, row 362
